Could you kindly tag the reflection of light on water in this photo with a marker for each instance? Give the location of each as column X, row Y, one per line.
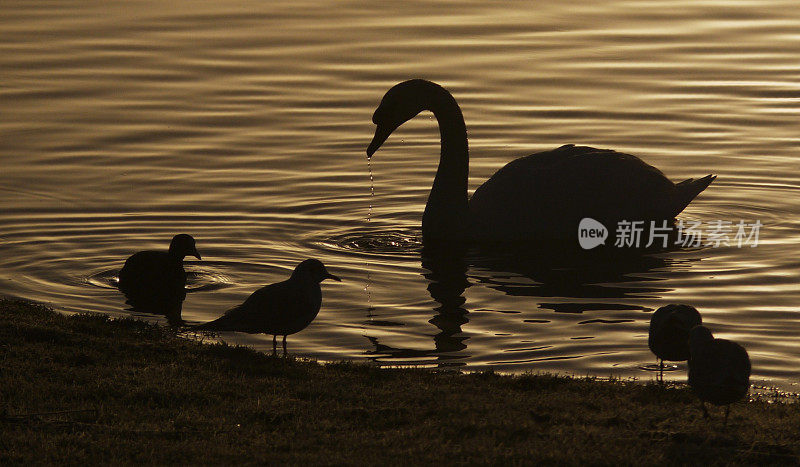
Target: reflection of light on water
column 367, row 241
column 236, row 159
column 655, row 368
column 371, row 189
column 771, row 394
column 370, row 308
column 201, row 278
column 107, row 279
column 197, row 279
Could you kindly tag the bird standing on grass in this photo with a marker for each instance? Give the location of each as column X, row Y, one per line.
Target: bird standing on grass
column 669, row 333
column 719, row 369
column 279, row 309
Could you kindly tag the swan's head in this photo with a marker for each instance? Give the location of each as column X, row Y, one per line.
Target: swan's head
column 182, row 245
column 400, row 104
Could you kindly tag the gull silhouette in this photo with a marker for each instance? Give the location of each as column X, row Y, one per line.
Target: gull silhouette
column 279, row 309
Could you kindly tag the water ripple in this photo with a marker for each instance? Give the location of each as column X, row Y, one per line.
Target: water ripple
column 126, row 124
column 393, row 242
column 197, row 279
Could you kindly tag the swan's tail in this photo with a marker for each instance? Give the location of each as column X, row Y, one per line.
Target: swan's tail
column 688, row 190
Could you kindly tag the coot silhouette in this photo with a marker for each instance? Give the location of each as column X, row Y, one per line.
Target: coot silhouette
column 719, row 369
column 669, row 332
column 154, row 281
column 542, row 196
column 279, row 309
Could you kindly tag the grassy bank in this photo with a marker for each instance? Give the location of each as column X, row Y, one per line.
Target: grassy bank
column 89, row 389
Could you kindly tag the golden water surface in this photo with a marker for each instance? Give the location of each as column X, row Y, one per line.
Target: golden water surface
column 244, row 123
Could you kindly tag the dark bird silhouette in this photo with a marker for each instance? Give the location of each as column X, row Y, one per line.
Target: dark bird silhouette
column 540, row 196
column 154, row 281
column 669, row 333
column 719, row 369
column 279, row 309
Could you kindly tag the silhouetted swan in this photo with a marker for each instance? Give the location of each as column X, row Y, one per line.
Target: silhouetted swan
column 279, row 309
column 669, row 332
column 154, row 281
column 541, row 196
column 719, row 370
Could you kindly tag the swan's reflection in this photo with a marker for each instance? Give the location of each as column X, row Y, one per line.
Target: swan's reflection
column 447, row 273
column 448, row 281
column 610, row 281
column 569, row 274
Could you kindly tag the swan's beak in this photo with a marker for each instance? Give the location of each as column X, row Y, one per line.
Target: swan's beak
column 381, row 134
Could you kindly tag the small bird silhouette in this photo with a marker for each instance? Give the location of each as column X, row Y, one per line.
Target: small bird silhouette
column 154, row 281
column 719, row 369
column 279, row 309
column 669, row 333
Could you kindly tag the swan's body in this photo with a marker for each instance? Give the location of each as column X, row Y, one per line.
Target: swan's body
column 278, row 309
column 540, row 196
column 548, row 193
column 719, row 369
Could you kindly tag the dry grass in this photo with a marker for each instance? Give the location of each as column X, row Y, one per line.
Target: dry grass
column 87, row 389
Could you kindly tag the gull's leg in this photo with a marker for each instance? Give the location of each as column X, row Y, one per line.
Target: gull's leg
column 274, row 345
column 284, row 346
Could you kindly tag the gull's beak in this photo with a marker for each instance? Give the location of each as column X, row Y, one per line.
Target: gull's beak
column 196, row 254
column 381, row 134
column 331, row 276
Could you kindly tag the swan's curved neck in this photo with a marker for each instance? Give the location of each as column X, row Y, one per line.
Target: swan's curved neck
column 447, row 211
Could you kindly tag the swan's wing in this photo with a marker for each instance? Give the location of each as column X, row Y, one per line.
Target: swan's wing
column 586, row 172
column 550, row 192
